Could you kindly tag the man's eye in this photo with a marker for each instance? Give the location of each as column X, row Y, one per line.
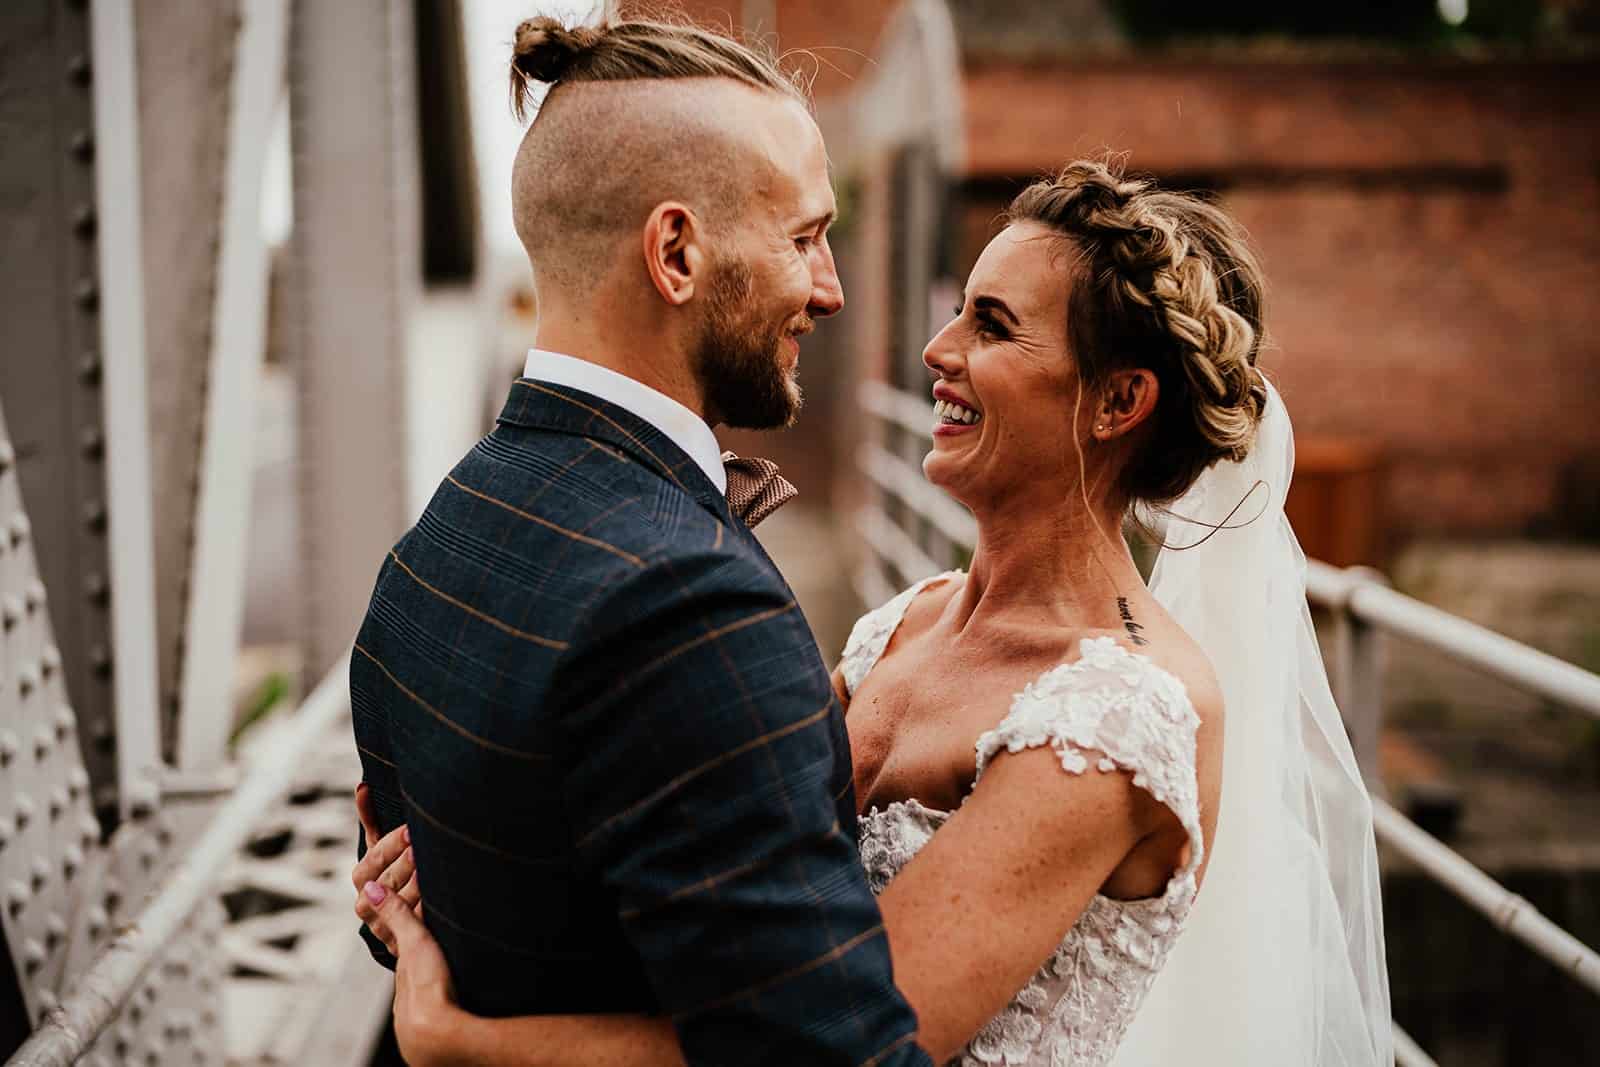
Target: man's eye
column 803, row 242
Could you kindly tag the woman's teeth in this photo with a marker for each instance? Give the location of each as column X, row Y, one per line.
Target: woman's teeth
column 951, row 412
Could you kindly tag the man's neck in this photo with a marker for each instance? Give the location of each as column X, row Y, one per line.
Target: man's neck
column 647, row 357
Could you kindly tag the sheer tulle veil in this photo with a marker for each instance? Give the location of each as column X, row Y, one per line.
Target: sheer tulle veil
column 1281, row 962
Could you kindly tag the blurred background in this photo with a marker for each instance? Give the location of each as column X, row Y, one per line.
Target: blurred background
column 261, row 290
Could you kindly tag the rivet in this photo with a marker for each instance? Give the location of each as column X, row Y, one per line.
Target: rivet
column 87, row 294
column 92, row 442
column 142, row 800
column 42, row 740
column 27, row 680
column 58, row 803
column 5, row 835
column 49, row 661
column 94, row 515
column 100, row 661
column 148, row 854
column 77, row 782
column 24, row 808
column 88, row 831
column 16, row 898
column 34, row 597
column 11, row 610
column 97, row 589
column 84, row 223
column 8, row 456
column 71, row 861
column 135, row 1011
column 96, row 923
column 83, row 146
column 55, row 931
column 19, row 530
column 32, row 957
column 89, row 368
column 149, row 991
column 8, row 748
column 40, row 874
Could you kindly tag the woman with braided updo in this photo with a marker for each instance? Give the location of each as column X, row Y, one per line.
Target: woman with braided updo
column 1107, row 821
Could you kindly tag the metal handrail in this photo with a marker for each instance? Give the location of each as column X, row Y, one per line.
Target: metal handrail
column 1354, row 593
column 67, row 1032
column 1510, row 913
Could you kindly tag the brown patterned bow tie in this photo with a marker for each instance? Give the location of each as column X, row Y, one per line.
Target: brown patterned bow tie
column 755, row 488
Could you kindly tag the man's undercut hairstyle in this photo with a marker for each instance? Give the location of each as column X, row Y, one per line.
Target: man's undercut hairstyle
column 632, row 118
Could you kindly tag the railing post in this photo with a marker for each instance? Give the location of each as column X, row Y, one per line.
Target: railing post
column 1363, row 654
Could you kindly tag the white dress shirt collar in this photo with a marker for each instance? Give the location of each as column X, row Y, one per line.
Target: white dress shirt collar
column 683, row 427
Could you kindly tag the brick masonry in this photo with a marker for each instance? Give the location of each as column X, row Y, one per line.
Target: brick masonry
column 1429, row 235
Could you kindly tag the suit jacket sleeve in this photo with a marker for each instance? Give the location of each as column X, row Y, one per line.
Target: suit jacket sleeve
column 702, row 728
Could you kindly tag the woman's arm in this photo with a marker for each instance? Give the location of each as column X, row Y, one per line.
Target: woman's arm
column 433, row 1032
column 987, row 900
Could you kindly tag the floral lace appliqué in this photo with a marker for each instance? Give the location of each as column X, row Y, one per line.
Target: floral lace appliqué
column 1114, row 710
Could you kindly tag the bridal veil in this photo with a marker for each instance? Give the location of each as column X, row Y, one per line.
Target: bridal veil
column 1281, row 962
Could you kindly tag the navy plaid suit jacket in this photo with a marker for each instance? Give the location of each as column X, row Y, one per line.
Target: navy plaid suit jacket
column 590, row 694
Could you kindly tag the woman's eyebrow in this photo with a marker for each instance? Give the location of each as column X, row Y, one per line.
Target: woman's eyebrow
column 994, row 303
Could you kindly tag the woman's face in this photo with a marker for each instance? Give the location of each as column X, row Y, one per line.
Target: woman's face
column 1004, row 358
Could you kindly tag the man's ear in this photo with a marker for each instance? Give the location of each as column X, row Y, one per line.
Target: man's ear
column 1129, row 399
column 674, row 256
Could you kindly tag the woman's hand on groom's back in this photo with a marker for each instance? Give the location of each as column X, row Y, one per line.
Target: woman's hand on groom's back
column 390, row 863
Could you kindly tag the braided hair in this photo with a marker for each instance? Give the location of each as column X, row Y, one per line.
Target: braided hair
column 1166, row 282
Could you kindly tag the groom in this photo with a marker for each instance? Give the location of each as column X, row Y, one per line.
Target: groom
column 580, row 680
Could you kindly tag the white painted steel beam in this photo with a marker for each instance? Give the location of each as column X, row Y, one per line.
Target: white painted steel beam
column 356, row 276
column 99, row 995
column 216, row 584
column 131, row 542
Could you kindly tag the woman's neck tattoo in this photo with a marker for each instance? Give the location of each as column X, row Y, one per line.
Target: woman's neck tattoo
column 1134, row 629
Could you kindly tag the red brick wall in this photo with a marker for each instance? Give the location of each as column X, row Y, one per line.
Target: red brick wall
column 1430, row 237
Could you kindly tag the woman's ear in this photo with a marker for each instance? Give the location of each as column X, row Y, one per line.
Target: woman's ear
column 673, row 255
column 1129, row 398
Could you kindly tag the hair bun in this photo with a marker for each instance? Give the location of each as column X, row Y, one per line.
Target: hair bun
column 545, row 49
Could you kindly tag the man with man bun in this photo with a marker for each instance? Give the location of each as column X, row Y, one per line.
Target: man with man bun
column 581, row 682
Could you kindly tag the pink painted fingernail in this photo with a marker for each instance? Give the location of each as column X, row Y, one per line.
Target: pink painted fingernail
column 405, row 832
column 374, row 892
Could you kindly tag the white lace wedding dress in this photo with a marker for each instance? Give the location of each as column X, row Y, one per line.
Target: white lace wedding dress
column 1117, row 710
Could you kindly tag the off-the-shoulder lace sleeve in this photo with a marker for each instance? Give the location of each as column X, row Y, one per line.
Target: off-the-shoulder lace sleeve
column 871, row 633
column 1123, row 712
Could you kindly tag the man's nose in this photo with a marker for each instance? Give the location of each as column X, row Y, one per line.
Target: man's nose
column 827, row 293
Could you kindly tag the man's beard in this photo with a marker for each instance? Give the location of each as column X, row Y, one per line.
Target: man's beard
column 738, row 360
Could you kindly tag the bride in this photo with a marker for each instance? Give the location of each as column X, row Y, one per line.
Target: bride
column 1107, row 822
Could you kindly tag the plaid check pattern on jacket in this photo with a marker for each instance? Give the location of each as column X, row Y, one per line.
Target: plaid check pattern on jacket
column 590, row 694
